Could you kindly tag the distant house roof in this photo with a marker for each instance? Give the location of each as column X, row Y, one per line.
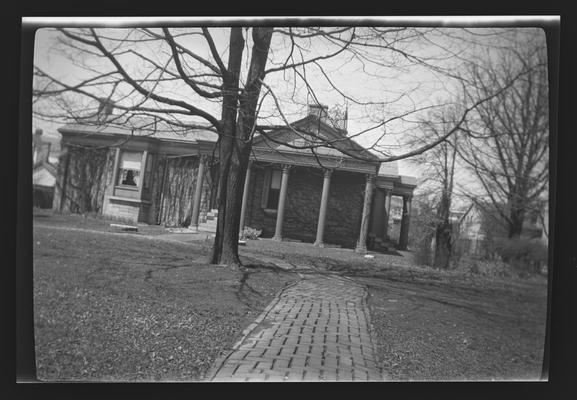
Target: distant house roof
column 44, row 174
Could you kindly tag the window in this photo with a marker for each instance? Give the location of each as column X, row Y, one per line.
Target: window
column 129, row 168
column 272, row 189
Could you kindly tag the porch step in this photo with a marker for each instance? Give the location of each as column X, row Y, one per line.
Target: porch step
column 124, row 228
column 384, row 245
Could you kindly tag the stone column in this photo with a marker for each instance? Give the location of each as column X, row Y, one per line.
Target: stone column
column 378, row 214
column 281, row 203
column 404, row 235
column 361, row 243
column 323, row 210
column 114, row 171
column 388, row 195
column 245, row 197
column 197, row 194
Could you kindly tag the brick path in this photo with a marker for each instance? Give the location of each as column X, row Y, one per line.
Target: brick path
column 315, row 330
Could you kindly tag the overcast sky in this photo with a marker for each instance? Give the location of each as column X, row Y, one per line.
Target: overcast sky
column 410, row 86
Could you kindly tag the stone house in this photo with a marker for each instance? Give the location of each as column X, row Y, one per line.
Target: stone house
column 43, row 171
column 168, row 178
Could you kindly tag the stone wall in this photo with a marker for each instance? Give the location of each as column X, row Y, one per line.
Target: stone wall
column 83, row 176
column 345, row 208
column 303, row 203
column 178, row 191
column 174, row 183
column 124, row 211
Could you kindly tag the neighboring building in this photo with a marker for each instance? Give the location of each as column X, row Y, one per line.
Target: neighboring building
column 43, row 171
column 168, row 178
column 476, row 224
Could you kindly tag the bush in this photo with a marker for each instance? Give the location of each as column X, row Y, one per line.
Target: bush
column 525, row 255
column 251, row 233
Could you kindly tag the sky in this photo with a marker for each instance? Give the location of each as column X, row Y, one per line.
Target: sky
column 405, row 86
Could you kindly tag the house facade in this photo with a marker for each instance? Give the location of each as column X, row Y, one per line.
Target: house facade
column 338, row 194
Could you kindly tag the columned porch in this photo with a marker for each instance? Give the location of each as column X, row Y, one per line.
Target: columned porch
column 374, row 223
column 306, row 204
column 384, row 216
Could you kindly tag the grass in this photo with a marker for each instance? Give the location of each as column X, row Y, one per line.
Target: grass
column 127, row 307
column 113, row 307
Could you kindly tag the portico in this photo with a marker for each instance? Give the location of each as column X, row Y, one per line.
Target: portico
column 385, row 188
column 322, row 198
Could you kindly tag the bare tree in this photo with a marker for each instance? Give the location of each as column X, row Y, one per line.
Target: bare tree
column 506, row 146
column 190, row 78
column 439, row 175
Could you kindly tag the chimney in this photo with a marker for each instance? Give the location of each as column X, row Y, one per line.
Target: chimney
column 40, row 150
column 319, row 110
column 343, row 124
column 105, row 109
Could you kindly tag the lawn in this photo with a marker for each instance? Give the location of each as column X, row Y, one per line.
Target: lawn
column 111, row 307
column 129, row 307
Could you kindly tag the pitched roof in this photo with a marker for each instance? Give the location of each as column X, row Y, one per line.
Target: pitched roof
column 47, row 166
column 334, row 141
column 279, row 138
column 44, row 174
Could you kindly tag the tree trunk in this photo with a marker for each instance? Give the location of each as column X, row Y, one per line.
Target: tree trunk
column 231, row 181
column 239, row 115
column 443, row 248
column 516, row 224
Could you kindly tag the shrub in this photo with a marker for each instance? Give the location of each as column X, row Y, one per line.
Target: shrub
column 525, row 255
column 251, row 233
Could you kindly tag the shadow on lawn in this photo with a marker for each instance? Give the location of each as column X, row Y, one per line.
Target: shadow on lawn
column 245, row 292
column 389, row 253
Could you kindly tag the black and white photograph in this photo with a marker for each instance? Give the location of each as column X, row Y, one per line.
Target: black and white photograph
column 290, row 200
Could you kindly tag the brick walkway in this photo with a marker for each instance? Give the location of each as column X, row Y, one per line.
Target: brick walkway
column 315, row 330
